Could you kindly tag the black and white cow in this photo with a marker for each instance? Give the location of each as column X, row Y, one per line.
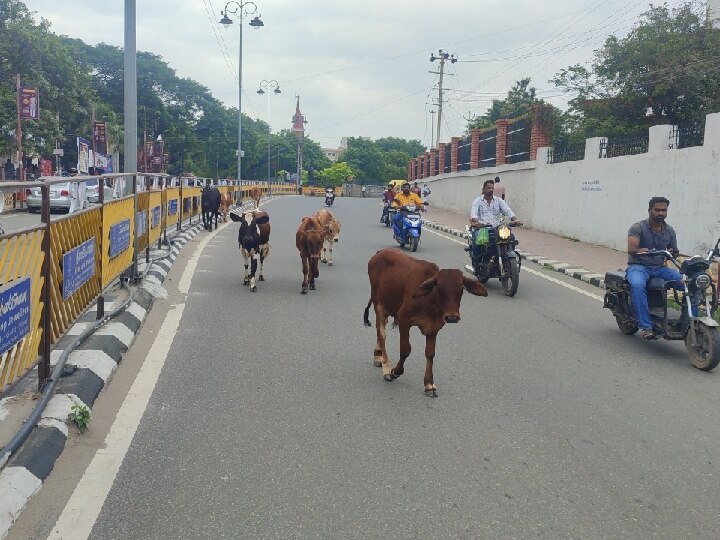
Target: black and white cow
column 253, row 240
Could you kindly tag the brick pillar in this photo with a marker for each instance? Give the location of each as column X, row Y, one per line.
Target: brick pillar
column 540, row 129
column 441, row 160
column 422, row 167
column 475, row 148
column 453, row 153
column 501, row 141
column 433, row 155
column 426, row 159
column 409, row 170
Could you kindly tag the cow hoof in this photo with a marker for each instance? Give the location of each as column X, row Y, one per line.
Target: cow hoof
column 388, row 377
column 246, row 282
column 431, row 392
column 312, row 286
column 253, row 289
column 322, row 261
column 261, row 278
column 377, row 363
column 304, row 291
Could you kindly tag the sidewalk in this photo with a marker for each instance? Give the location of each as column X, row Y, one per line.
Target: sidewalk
column 577, row 259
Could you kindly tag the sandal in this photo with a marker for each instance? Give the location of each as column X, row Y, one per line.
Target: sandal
column 648, row 335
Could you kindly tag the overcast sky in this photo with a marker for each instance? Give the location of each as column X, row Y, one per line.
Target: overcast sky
column 361, row 68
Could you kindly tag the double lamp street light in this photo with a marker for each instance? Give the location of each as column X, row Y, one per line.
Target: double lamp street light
column 265, row 87
column 240, row 10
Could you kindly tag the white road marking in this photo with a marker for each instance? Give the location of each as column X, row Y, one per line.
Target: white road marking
column 530, row 270
column 86, row 502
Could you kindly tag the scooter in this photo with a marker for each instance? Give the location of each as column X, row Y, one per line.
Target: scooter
column 385, row 217
column 701, row 334
column 410, row 226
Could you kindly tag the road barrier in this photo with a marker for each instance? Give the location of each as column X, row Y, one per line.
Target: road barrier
column 51, row 273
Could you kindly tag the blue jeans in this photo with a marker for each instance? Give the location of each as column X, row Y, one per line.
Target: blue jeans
column 638, row 275
column 397, row 220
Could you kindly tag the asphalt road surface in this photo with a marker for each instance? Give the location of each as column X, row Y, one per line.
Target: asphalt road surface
column 268, row 419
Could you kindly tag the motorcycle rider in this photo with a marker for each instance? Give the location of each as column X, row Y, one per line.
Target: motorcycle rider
column 403, row 199
column 487, row 210
column 387, row 198
column 650, row 233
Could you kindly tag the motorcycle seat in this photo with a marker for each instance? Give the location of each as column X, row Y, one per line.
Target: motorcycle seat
column 657, row 283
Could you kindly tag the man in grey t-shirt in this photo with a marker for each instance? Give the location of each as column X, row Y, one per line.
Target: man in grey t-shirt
column 650, row 234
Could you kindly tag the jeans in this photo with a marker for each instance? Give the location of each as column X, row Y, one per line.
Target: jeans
column 638, row 275
column 397, row 220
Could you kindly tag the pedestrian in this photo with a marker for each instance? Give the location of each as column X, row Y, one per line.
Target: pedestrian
column 9, row 170
column 363, row 191
column 499, row 189
column 416, row 189
column 426, row 194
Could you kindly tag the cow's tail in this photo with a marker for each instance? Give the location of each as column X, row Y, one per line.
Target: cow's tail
column 366, row 316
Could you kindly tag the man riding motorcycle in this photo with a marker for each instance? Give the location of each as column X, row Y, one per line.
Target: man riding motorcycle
column 387, row 199
column 487, row 210
column 403, row 199
column 650, row 233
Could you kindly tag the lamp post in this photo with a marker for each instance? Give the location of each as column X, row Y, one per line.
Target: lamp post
column 240, row 9
column 265, row 87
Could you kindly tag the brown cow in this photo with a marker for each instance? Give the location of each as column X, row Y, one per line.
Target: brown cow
column 225, row 203
column 416, row 293
column 309, row 241
column 331, row 226
column 256, row 195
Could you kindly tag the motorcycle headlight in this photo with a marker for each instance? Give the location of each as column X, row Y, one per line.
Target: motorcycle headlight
column 702, row 281
column 504, row 232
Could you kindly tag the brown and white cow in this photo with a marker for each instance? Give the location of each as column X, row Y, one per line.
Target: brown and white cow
column 254, row 243
column 331, row 226
column 255, row 196
column 309, row 241
column 225, row 203
column 416, row 293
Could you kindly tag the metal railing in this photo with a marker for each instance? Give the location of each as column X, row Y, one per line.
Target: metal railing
column 518, row 142
column 562, row 154
column 486, row 151
column 463, row 154
column 625, row 146
column 686, row 136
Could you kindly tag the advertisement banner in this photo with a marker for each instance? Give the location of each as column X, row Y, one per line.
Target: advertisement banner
column 83, row 164
column 78, row 267
column 119, row 238
column 45, row 167
column 14, row 313
column 29, row 104
column 100, row 137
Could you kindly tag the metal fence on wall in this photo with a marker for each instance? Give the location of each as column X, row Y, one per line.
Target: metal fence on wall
column 623, row 146
column 464, row 147
column 518, row 142
column 486, row 151
column 686, row 136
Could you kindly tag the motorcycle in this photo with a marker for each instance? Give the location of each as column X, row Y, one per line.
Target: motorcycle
column 408, row 232
column 701, row 334
column 498, row 258
column 385, row 217
column 329, row 197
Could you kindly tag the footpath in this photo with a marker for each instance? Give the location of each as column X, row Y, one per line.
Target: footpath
column 577, row 259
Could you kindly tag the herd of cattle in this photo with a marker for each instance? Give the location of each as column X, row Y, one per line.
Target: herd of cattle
column 412, row 291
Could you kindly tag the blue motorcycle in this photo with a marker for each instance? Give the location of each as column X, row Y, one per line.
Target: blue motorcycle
column 406, row 229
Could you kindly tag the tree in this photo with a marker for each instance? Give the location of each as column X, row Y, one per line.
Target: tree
column 336, row 174
column 664, row 71
column 520, row 98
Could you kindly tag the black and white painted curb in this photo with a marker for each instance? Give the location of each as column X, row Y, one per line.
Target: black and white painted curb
column 95, row 361
column 598, row 280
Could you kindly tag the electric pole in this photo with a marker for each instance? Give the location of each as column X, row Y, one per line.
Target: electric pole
column 432, row 130
column 442, row 56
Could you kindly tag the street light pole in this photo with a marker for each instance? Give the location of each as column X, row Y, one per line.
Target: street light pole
column 240, row 10
column 265, row 87
column 442, row 56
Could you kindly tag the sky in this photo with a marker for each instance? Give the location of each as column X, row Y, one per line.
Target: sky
column 362, row 69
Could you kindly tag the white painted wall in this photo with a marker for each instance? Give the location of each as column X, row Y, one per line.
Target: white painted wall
column 596, row 200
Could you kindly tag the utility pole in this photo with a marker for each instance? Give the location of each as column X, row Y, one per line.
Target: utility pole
column 442, row 56
column 432, row 130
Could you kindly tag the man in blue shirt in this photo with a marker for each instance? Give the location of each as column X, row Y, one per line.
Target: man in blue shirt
column 650, row 234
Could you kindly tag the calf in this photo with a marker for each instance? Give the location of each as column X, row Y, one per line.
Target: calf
column 309, row 241
column 416, row 293
column 210, row 204
column 331, row 226
column 255, row 196
column 225, row 203
column 254, row 242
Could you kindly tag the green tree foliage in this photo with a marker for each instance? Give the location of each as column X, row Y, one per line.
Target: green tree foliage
column 663, row 72
column 378, row 162
column 520, row 98
column 335, row 175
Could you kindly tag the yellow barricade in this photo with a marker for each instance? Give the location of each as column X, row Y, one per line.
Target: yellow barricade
column 155, row 215
column 172, row 208
column 118, row 232
column 142, row 220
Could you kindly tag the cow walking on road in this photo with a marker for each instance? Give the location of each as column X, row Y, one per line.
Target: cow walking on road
column 225, row 203
column 210, row 205
column 254, row 243
column 331, row 226
column 416, row 293
column 309, row 242
column 256, row 195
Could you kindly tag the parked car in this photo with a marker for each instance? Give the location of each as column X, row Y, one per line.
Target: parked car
column 93, row 193
column 59, row 198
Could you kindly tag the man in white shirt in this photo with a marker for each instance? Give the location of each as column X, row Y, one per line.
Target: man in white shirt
column 487, row 210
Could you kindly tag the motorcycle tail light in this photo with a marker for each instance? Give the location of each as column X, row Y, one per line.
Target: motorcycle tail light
column 64, row 193
column 504, row 232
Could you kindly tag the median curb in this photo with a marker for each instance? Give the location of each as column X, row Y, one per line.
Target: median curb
column 598, row 280
column 93, row 364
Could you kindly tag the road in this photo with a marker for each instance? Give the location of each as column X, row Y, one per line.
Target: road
column 268, row 419
column 13, row 221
